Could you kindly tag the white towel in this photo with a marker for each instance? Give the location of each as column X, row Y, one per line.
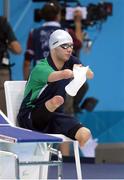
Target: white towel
column 78, row 81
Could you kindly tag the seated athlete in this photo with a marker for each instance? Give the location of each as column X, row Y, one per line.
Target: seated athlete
column 42, row 106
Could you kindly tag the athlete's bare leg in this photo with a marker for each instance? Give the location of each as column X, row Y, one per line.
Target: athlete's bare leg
column 53, row 103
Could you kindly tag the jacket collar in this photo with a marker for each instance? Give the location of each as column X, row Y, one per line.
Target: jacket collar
column 52, row 23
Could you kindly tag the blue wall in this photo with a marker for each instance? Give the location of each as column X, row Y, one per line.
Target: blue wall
column 106, row 59
column 1, row 7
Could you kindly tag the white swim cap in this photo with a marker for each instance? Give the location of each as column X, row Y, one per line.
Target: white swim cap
column 58, row 38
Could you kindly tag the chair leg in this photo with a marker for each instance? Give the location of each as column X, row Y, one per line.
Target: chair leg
column 17, row 168
column 60, row 165
column 43, row 169
column 43, row 172
column 77, row 160
column 59, row 161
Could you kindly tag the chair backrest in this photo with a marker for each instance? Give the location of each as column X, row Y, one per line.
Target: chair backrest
column 14, row 91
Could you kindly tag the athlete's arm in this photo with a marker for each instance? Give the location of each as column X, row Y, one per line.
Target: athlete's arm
column 59, row 75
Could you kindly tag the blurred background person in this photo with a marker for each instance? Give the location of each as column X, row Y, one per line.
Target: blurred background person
column 8, row 42
column 37, row 43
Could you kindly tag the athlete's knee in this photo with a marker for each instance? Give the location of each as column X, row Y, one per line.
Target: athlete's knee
column 83, row 135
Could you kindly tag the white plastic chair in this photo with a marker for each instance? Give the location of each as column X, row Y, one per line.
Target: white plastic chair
column 9, row 168
column 14, row 91
column 41, row 152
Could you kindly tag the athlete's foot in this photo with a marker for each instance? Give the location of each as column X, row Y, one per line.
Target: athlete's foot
column 53, row 103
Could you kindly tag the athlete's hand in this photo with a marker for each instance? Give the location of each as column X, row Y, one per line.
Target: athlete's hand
column 67, row 73
column 90, row 74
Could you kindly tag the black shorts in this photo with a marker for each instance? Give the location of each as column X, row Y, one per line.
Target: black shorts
column 40, row 119
column 54, row 122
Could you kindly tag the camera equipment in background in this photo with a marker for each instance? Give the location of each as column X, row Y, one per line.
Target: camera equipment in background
column 94, row 13
column 89, row 104
column 98, row 12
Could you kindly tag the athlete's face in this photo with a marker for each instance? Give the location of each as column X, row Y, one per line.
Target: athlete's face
column 64, row 51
